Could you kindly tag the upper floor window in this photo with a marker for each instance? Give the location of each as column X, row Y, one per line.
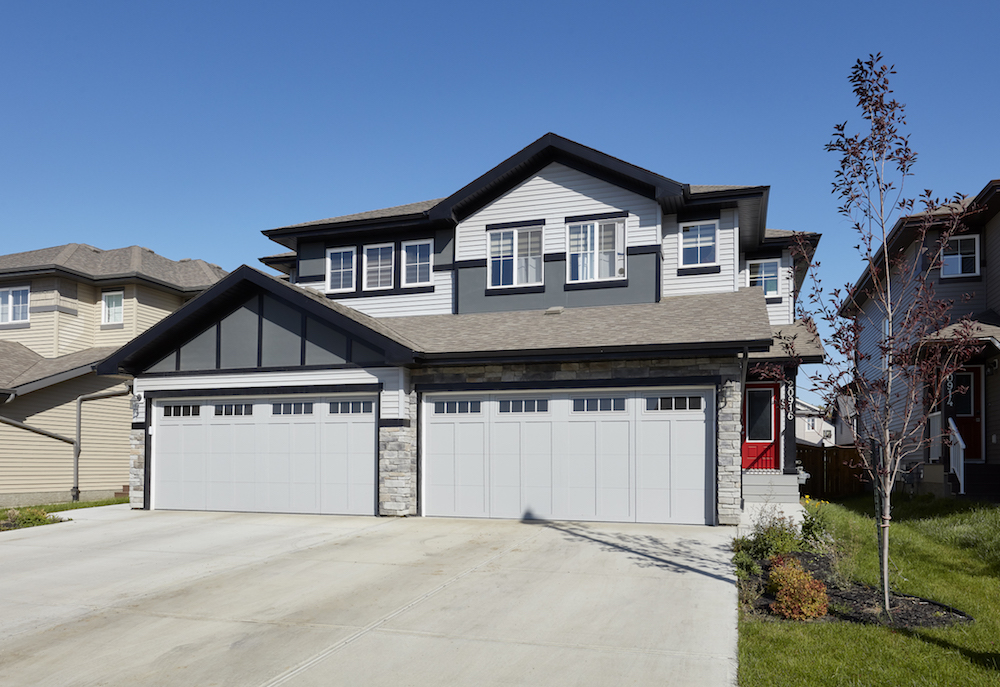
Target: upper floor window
column 961, row 257
column 765, row 275
column 340, row 269
column 112, row 307
column 378, row 266
column 698, row 244
column 597, row 250
column 417, row 262
column 515, row 257
column 14, row 304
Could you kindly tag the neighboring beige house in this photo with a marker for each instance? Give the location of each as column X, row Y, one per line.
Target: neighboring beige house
column 63, row 310
column 812, row 426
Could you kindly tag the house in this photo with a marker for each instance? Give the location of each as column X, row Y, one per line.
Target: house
column 969, row 277
column 63, row 310
column 568, row 336
column 812, row 426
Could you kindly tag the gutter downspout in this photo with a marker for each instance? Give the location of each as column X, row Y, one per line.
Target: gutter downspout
column 36, row 430
column 75, row 491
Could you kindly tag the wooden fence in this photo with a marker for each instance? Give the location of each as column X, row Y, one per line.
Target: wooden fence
column 832, row 472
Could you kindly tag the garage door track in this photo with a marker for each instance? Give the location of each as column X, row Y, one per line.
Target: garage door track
column 121, row 597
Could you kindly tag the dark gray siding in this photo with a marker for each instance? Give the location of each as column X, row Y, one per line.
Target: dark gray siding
column 643, row 276
column 312, row 260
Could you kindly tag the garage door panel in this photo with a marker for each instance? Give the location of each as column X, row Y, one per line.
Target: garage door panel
column 470, row 469
column 644, row 457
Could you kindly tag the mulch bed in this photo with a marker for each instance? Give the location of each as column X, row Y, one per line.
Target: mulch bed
column 859, row 603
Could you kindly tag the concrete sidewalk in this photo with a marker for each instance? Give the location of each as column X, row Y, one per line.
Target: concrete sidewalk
column 120, row 597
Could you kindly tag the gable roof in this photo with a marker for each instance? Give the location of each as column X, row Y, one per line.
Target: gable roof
column 738, row 320
column 673, row 196
column 94, row 265
column 792, row 342
column 23, row 371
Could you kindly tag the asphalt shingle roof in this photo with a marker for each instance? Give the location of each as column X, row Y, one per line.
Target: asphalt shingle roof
column 20, row 366
column 96, row 264
column 681, row 320
column 793, row 341
column 395, row 211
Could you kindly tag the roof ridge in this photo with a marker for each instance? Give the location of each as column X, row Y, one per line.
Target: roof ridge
column 66, row 253
column 135, row 259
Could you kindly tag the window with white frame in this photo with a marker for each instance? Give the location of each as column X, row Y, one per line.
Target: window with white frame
column 699, row 244
column 961, row 257
column 596, row 250
column 378, row 266
column 515, row 257
column 340, row 269
column 811, row 423
column 417, row 262
column 112, row 307
column 763, row 273
column 14, row 304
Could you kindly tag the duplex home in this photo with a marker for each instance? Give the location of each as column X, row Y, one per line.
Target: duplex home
column 62, row 310
column 969, row 278
column 568, row 336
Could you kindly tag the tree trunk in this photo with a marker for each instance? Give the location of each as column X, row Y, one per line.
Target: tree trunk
column 884, row 518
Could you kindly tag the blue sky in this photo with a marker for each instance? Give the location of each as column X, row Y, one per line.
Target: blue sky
column 189, row 127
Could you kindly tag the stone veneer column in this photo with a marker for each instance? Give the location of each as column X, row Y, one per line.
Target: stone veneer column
column 729, row 457
column 137, row 468
column 397, row 464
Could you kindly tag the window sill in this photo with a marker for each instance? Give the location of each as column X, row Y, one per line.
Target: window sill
column 15, row 325
column 116, row 325
column 700, row 269
column 515, row 290
column 772, row 300
column 603, row 284
column 381, row 292
column 962, row 278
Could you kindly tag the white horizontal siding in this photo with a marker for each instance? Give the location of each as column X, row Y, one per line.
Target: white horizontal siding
column 553, row 194
column 723, row 281
column 391, row 378
column 438, row 302
column 783, row 312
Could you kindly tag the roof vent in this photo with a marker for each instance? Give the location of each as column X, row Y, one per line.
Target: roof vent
column 555, row 310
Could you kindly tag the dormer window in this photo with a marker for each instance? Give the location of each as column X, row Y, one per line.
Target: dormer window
column 515, row 257
column 698, row 244
column 763, row 273
column 961, row 257
column 597, row 250
column 14, row 304
column 378, row 267
column 340, row 269
column 113, row 307
column 417, row 262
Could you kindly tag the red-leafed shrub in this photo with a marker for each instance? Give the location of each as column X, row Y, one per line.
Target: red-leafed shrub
column 798, row 595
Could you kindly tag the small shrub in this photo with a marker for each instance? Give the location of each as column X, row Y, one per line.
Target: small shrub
column 749, row 590
column 27, row 517
column 798, row 595
column 746, row 566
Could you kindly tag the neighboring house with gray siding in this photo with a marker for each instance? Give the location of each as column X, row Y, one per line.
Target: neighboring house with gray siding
column 970, row 278
column 63, row 310
column 568, row 336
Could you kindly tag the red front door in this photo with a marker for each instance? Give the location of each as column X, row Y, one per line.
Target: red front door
column 968, row 410
column 760, row 426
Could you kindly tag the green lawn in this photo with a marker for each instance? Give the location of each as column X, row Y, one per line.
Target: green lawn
column 33, row 516
column 944, row 550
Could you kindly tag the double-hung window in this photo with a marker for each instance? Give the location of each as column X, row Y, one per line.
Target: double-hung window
column 764, row 274
column 596, row 250
column 378, row 267
column 699, row 244
column 961, row 257
column 340, row 269
column 113, row 307
column 14, row 304
column 515, row 257
column 417, row 262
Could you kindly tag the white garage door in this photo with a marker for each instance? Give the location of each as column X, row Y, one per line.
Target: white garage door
column 622, row 456
column 281, row 455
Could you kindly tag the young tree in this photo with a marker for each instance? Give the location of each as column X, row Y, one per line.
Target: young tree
column 897, row 383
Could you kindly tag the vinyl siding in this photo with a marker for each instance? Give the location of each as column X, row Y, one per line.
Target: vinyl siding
column 969, row 297
column 438, row 302
column 553, row 194
column 76, row 332
column 777, row 313
column 39, row 336
column 33, row 463
column 392, row 379
column 725, row 280
column 151, row 306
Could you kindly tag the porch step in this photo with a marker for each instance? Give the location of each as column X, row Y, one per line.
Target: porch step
column 123, row 493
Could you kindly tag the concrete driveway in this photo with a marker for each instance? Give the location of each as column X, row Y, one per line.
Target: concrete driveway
column 121, row 597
